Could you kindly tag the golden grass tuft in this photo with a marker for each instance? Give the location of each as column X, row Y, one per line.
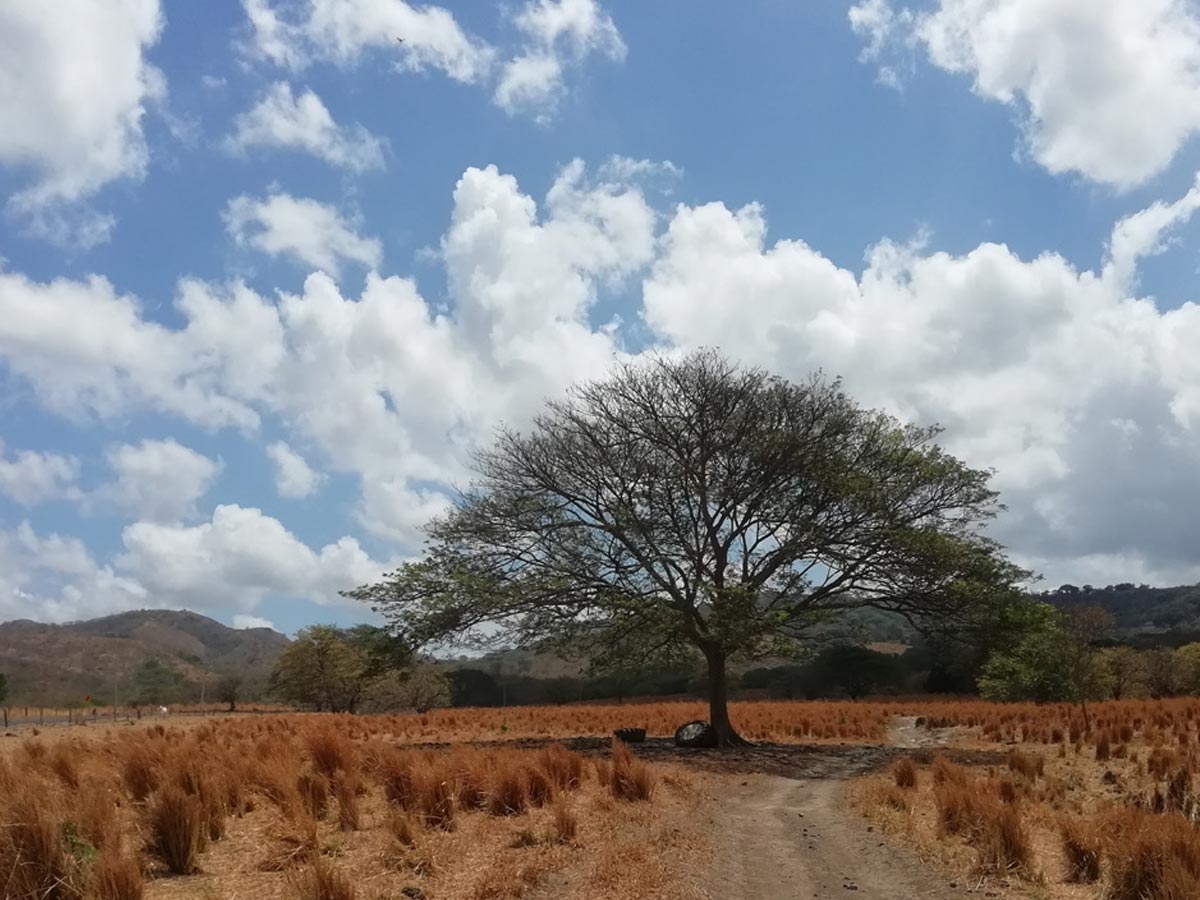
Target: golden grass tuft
column 1082, row 844
column 631, row 778
column 321, row 881
column 176, row 821
column 904, row 773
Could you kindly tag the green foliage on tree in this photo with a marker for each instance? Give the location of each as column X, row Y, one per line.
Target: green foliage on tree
column 688, row 507
column 1189, row 667
column 421, row 688
column 473, row 687
column 1124, row 670
column 1164, row 672
column 330, row 668
column 1058, row 660
column 156, row 683
column 3, row 687
column 229, row 690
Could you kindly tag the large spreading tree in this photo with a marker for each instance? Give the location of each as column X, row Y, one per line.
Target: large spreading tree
column 687, row 505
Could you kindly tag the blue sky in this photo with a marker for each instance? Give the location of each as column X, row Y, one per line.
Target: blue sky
column 268, row 273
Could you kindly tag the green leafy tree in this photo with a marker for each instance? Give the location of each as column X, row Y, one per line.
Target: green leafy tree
column 856, row 670
column 1125, row 670
column 229, row 690
column 687, row 507
column 330, row 668
column 157, row 682
column 1164, row 672
column 3, row 687
column 1058, row 661
column 1188, row 657
column 474, row 687
column 421, row 688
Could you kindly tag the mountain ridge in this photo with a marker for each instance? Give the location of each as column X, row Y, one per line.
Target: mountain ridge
column 56, row 664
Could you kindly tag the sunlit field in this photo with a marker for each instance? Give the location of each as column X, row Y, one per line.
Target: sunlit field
column 327, row 807
column 1024, row 799
column 1033, row 794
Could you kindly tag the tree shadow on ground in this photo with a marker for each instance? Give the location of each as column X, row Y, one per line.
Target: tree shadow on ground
column 799, row 761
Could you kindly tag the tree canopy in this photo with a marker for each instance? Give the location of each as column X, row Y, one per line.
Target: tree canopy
column 157, row 682
column 330, row 668
column 687, row 505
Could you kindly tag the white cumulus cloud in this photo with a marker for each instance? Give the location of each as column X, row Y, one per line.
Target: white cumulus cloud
column 74, row 87
column 158, row 480
column 311, row 233
column 29, row 477
column 284, row 120
column 558, row 33
column 52, row 578
column 294, row 478
column 1083, row 395
column 341, row 30
column 236, row 559
column 1106, row 88
column 241, row 620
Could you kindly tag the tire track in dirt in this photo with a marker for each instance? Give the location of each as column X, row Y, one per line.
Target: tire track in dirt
column 781, row 837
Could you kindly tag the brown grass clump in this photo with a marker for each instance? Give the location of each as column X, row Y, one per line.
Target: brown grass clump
column 117, row 876
column 631, row 778
column 437, row 801
column 1001, row 838
column 1082, row 844
column 313, row 789
column 399, row 781
column 995, row 829
column 140, row 771
column 330, row 752
column 349, row 813
column 540, row 787
column 562, row 766
column 1152, row 857
column 176, row 822
column 509, row 793
column 566, row 824
column 904, row 773
column 321, row 881
column 946, row 772
column 1030, row 766
column 36, row 858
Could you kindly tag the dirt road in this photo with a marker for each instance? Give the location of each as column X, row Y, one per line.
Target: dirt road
column 784, row 836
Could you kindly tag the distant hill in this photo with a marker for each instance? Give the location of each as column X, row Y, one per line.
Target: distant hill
column 1143, row 614
column 49, row 664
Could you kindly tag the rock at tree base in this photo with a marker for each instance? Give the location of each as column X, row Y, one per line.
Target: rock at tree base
column 695, row 734
column 631, row 735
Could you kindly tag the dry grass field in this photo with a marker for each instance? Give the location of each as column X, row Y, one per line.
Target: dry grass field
column 1015, row 800
column 329, row 808
column 1033, row 796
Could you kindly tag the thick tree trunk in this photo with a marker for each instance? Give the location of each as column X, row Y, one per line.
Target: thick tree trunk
column 718, row 701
